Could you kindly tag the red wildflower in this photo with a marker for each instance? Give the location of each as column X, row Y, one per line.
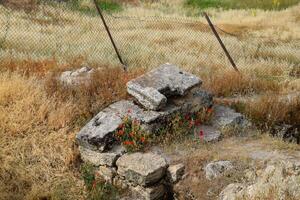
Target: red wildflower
column 94, row 184
column 187, row 117
column 132, row 134
column 128, row 143
column 209, row 110
column 120, row 132
column 197, row 122
column 201, row 134
column 143, row 139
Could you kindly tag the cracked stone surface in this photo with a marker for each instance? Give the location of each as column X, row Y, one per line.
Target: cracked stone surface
column 153, row 88
column 144, row 169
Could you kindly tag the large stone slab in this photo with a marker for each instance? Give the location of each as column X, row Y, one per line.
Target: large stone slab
column 153, row 88
column 98, row 134
column 144, row 169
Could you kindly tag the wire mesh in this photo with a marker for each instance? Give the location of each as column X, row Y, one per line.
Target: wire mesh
column 59, row 31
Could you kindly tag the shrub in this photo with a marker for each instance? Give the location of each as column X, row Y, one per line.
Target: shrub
column 131, row 135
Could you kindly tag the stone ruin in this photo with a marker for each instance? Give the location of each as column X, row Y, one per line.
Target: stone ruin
column 158, row 96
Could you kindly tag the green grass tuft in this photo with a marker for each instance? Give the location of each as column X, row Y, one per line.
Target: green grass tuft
column 242, row 4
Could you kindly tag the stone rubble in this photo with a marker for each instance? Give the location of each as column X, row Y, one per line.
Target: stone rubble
column 76, row 77
column 216, row 169
column 163, row 93
column 279, row 178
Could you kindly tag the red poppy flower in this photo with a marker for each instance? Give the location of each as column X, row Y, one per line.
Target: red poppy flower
column 201, row 134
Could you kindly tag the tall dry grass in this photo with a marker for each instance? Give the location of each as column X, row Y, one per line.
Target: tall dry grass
column 38, row 121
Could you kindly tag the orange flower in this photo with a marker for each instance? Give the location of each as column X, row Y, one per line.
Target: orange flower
column 209, row 110
column 120, row 132
column 143, row 139
column 132, row 134
column 128, row 143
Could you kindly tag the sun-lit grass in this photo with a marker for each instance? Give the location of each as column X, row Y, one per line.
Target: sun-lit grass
column 242, row 4
column 39, row 117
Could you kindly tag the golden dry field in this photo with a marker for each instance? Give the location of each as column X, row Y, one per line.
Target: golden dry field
column 39, row 117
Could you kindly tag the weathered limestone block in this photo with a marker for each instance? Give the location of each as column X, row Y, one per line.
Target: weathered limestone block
column 225, row 117
column 152, row 88
column 175, row 173
column 82, row 75
column 142, row 168
column 150, row 193
column 98, row 134
column 216, row 169
column 101, row 159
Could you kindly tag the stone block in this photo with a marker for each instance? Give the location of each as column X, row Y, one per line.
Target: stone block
column 142, row 168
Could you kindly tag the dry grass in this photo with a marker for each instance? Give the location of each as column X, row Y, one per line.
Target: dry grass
column 270, row 110
column 39, row 119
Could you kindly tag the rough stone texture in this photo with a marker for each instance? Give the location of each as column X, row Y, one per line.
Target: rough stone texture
column 216, row 169
column 210, row 133
column 175, row 173
column 98, row 134
column 287, row 133
column 279, row 180
column 152, row 88
column 150, row 193
column 104, row 159
column 225, row 117
column 107, row 173
column 142, row 168
column 76, row 77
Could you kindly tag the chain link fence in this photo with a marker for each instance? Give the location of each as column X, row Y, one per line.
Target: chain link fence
column 60, row 32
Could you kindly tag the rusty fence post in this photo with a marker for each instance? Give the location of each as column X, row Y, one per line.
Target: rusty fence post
column 109, row 35
column 220, row 42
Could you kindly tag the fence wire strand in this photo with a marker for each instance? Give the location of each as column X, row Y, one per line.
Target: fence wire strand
column 60, row 32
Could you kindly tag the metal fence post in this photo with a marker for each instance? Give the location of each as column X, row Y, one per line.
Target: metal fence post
column 109, row 35
column 220, row 41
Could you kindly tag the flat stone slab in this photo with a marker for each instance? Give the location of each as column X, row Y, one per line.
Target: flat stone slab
column 144, row 169
column 98, row 134
column 225, row 117
column 153, row 88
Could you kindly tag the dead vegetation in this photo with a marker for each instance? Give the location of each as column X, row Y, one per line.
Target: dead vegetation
column 39, row 119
